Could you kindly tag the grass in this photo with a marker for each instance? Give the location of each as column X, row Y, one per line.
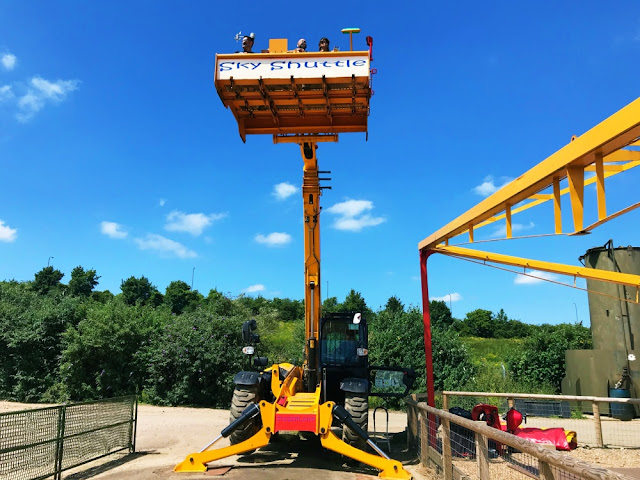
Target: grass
column 491, row 351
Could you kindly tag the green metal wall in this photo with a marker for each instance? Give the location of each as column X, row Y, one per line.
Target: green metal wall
column 615, row 328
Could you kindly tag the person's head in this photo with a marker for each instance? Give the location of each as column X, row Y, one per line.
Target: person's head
column 302, row 45
column 247, row 43
column 323, row 45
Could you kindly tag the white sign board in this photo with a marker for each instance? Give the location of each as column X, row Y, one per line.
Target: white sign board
column 252, row 67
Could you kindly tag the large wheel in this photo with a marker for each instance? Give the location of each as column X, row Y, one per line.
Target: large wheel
column 357, row 405
column 243, row 395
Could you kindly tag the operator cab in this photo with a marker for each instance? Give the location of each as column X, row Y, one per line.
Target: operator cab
column 343, row 352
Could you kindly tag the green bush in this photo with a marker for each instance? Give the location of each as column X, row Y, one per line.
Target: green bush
column 541, row 359
column 31, row 329
column 194, row 359
column 105, row 354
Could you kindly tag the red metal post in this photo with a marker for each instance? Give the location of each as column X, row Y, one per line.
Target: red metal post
column 428, row 351
column 426, row 318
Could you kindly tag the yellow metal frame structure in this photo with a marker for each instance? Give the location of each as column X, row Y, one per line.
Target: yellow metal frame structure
column 607, row 149
column 604, row 150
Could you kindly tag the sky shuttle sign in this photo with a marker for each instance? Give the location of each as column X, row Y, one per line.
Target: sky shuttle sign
column 247, row 67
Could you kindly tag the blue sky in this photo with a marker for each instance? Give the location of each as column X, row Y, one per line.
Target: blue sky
column 118, row 155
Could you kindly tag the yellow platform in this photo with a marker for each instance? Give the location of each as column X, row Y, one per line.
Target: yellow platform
column 295, row 93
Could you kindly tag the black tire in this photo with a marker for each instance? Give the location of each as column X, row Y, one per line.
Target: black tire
column 357, row 405
column 243, row 395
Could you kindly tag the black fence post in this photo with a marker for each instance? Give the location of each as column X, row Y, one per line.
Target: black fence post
column 60, row 442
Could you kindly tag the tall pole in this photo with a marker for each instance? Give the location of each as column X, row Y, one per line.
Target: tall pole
column 48, row 260
column 450, row 309
column 192, row 273
column 574, row 304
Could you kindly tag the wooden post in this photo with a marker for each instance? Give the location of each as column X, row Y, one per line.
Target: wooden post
column 482, row 455
column 411, row 426
column 445, row 402
column 545, row 472
column 447, row 464
column 424, row 441
column 510, row 402
column 598, row 424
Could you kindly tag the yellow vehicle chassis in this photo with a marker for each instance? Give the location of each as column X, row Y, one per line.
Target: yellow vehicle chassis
column 294, row 408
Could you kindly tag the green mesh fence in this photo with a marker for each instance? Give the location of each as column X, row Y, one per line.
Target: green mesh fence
column 41, row 443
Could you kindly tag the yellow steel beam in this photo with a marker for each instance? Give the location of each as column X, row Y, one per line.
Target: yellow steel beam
column 539, row 199
column 612, row 134
column 559, row 268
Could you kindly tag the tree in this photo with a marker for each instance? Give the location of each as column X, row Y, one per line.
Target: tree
column 330, row 305
column 179, row 297
column 82, row 282
column 354, row 302
column 218, row 302
column 479, row 323
column 289, row 310
column 394, row 305
column 140, row 291
column 440, row 314
column 47, row 280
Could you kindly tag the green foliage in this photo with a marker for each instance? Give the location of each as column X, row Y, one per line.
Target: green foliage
column 396, row 338
column 483, row 323
column 289, row 310
column 281, row 341
column 82, row 282
column 193, row 360
column 31, row 329
column 218, row 303
column 180, row 298
column 47, row 280
column 541, row 359
column 102, row 297
column 440, row 314
column 105, row 353
column 478, row 323
column 492, row 351
column 140, row 291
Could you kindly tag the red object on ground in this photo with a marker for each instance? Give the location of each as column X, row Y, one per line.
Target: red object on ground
column 546, row 436
column 486, row 413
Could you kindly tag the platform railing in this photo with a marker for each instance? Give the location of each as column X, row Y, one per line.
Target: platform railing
column 459, row 448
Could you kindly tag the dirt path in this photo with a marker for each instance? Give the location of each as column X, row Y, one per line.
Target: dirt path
column 166, row 435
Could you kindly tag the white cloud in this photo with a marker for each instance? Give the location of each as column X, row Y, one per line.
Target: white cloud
column 284, row 190
column 8, row 61
column 449, row 297
column 254, row 288
column 529, row 280
column 274, row 239
column 352, row 216
column 40, row 93
column 162, row 202
column 164, row 246
column 7, row 234
column 193, row 223
column 501, row 231
column 112, row 229
column 488, row 186
column 6, row 93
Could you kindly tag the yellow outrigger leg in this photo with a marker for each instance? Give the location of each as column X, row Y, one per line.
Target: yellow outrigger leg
column 392, row 469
